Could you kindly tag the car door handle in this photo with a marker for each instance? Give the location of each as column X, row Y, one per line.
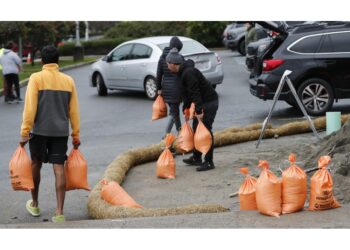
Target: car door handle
column 143, row 64
column 331, row 61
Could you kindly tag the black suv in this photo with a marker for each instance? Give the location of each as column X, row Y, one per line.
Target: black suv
column 319, row 57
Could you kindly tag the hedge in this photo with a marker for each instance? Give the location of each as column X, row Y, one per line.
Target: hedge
column 94, row 47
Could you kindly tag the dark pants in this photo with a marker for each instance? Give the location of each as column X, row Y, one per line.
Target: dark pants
column 174, row 117
column 210, row 109
column 12, row 79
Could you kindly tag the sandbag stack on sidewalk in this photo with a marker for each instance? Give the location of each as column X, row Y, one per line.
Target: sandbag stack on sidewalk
column 288, row 195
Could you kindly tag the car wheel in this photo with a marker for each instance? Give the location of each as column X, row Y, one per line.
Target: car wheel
column 241, row 47
column 316, row 95
column 100, row 85
column 151, row 87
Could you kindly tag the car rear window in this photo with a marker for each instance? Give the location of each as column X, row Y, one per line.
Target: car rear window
column 189, row 47
column 340, row 42
column 306, row 45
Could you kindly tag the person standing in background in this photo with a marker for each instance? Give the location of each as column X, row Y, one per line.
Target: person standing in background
column 11, row 66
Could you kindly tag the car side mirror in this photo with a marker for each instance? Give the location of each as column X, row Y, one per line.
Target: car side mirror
column 107, row 58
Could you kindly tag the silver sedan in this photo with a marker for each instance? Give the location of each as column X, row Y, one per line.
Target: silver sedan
column 133, row 65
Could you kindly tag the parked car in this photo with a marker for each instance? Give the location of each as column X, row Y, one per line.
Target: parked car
column 234, row 36
column 133, row 65
column 255, row 49
column 318, row 56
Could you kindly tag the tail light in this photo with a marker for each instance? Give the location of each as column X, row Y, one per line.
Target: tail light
column 272, row 64
column 218, row 59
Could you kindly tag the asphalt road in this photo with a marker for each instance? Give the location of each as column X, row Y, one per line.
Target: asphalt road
column 113, row 124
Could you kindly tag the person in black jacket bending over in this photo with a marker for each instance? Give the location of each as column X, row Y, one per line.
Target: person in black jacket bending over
column 169, row 87
column 196, row 89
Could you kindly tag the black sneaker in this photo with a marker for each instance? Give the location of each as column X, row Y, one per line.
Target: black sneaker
column 205, row 166
column 192, row 161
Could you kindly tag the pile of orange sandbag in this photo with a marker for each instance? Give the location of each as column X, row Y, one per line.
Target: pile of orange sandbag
column 274, row 196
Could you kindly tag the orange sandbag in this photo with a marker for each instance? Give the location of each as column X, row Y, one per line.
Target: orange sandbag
column 247, row 198
column 114, row 194
column 321, row 187
column 202, row 138
column 159, row 108
column 293, row 188
column 268, row 191
column 166, row 166
column 20, row 167
column 185, row 141
column 76, row 171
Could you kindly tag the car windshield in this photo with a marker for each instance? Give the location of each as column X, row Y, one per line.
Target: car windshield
column 189, row 47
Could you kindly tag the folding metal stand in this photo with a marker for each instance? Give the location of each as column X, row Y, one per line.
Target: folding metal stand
column 283, row 80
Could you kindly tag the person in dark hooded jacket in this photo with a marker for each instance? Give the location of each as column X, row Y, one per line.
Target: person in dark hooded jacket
column 198, row 90
column 168, row 86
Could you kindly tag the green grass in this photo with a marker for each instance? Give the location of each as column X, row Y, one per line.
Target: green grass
column 28, row 69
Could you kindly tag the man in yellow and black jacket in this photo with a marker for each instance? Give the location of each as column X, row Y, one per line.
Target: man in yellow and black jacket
column 51, row 103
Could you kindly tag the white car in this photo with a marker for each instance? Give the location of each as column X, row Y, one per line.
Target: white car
column 133, row 65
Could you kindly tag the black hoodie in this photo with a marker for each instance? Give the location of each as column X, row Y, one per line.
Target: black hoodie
column 196, row 88
column 167, row 81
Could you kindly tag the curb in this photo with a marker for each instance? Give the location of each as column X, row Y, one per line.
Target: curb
column 24, row 82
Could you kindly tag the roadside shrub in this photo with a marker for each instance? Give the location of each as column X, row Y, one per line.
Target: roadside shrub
column 94, row 47
column 145, row 29
column 207, row 33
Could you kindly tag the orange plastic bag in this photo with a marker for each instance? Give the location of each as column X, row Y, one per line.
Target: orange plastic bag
column 159, row 108
column 202, row 138
column 114, row 194
column 247, row 192
column 293, row 188
column 321, row 187
column 268, row 191
column 166, row 166
column 20, row 167
column 76, row 171
column 185, row 141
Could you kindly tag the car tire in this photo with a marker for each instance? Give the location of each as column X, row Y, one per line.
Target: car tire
column 317, row 96
column 150, row 87
column 100, row 85
column 241, row 47
column 292, row 103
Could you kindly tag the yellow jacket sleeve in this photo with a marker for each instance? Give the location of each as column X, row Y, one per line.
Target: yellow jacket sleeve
column 74, row 115
column 30, row 107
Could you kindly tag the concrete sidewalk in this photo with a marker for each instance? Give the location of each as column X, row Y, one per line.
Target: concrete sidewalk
column 211, row 187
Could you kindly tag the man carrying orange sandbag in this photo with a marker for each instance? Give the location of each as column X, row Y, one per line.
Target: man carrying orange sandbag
column 51, row 102
column 198, row 90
